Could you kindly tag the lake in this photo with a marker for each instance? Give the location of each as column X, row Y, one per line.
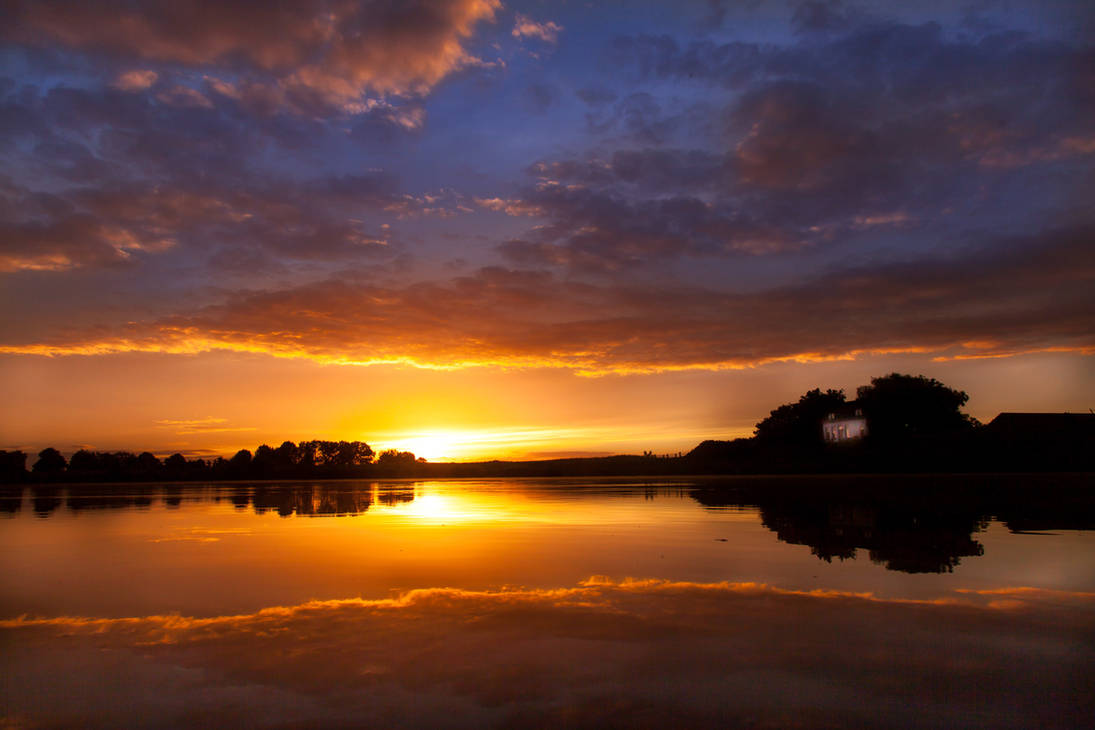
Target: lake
column 750, row 602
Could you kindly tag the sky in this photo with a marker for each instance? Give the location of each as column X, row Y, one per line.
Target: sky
column 476, row 229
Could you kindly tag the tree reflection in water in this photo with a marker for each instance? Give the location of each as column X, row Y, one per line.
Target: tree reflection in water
column 928, row 530
column 310, row 500
column 45, row 499
column 11, row 499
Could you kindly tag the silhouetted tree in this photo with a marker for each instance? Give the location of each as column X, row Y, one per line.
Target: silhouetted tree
column 899, row 406
column 148, row 465
column 239, row 465
column 83, row 462
column 262, row 464
column 174, row 466
column 50, row 462
column 328, row 452
column 396, row 462
column 355, row 453
column 13, row 466
column 285, row 456
column 307, row 455
column 197, row 469
column 221, row 469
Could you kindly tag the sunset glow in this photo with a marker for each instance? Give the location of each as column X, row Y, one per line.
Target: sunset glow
column 450, row 445
column 517, row 364
column 475, row 229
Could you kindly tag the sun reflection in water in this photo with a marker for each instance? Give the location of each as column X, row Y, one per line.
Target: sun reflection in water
column 444, row 509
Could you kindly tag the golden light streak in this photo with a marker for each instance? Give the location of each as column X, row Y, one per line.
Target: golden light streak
column 202, row 425
column 584, row 363
column 519, row 442
column 1078, row 350
column 595, row 591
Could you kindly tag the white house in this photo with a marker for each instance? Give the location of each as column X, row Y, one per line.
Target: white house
column 847, row 423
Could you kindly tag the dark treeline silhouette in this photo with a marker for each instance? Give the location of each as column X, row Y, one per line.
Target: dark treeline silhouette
column 912, row 524
column 914, row 425
column 307, row 460
column 320, row 499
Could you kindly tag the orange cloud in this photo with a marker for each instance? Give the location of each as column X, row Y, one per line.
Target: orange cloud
column 514, row 318
column 312, row 51
column 202, row 425
column 136, row 80
column 526, row 27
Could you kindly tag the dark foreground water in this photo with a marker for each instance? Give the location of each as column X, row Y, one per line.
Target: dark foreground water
column 796, row 602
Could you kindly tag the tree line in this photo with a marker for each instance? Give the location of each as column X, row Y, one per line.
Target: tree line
column 308, row 459
column 915, row 424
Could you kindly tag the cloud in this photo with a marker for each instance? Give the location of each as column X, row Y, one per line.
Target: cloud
column 539, row 97
column 838, row 139
column 509, row 207
column 201, row 425
column 317, row 54
column 676, row 653
column 72, row 239
column 1009, row 295
column 607, row 230
column 240, row 213
column 596, row 95
column 184, row 96
column 526, row 27
column 815, row 16
column 136, row 80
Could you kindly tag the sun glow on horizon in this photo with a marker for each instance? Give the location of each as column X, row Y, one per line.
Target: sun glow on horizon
column 531, row 443
column 509, row 443
column 433, row 445
column 472, row 444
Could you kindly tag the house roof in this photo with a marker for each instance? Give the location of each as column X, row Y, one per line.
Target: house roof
column 848, row 410
column 1044, row 425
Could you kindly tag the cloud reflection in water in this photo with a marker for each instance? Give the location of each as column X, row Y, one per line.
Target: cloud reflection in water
column 631, row 653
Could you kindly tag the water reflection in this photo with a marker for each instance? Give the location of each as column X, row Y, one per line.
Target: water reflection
column 604, row 653
column 11, row 499
column 310, row 500
column 46, row 499
column 919, row 538
column 471, row 603
column 928, row 528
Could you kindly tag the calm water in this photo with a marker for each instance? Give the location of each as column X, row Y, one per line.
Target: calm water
column 634, row 603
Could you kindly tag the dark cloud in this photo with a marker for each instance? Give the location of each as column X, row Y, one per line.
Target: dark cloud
column 870, row 126
column 730, row 64
column 134, row 172
column 816, row 16
column 1011, row 295
column 642, row 116
column 658, row 170
column 332, row 218
column 596, row 95
column 539, row 97
column 596, row 231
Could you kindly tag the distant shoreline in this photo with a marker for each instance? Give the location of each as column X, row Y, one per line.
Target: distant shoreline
column 1013, row 443
column 728, row 481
